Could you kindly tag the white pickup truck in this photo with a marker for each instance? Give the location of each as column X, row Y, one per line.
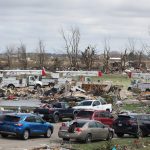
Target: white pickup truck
column 99, row 104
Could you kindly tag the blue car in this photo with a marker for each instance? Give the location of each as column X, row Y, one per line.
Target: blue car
column 24, row 125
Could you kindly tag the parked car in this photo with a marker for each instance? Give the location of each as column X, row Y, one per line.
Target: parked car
column 99, row 104
column 85, row 130
column 24, row 125
column 100, row 115
column 132, row 124
column 56, row 111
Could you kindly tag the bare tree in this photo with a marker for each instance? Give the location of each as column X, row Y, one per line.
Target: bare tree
column 106, row 56
column 8, row 54
column 22, row 56
column 135, row 54
column 41, row 54
column 88, row 57
column 123, row 60
column 72, row 40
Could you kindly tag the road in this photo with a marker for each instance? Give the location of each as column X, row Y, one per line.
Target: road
column 13, row 143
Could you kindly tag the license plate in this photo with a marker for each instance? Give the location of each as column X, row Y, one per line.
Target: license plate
column 119, row 124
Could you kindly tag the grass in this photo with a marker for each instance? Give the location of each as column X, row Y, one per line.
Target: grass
column 140, row 107
column 128, row 142
column 116, row 79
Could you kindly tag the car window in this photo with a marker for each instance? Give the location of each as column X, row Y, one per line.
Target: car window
column 96, row 103
column 99, row 125
column 30, row 119
column 103, row 102
column 38, row 120
column 85, row 103
column 92, row 125
column 10, row 118
column 85, row 114
column 57, row 105
column 66, row 105
column 104, row 114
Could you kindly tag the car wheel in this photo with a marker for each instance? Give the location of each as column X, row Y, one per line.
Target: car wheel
column 48, row 133
column 88, row 138
column 25, row 135
column 56, row 118
column 120, row 134
column 66, row 139
column 4, row 135
column 110, row 136
column 11, row 86
column 140, row 133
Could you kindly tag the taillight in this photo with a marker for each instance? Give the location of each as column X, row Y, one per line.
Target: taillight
column 63, row 124
column 19, row 124
column 78, row 129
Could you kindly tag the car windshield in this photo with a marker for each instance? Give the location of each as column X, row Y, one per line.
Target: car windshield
column 10, row 118
column 85, row 114
column 85, row 103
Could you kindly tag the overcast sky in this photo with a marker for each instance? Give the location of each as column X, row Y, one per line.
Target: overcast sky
column 28, row 21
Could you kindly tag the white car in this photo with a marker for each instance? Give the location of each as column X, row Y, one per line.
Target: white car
column 99, row 104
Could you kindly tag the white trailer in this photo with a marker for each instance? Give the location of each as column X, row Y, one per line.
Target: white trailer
column 143, row 86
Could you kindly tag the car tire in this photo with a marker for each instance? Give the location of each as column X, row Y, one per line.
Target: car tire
column 88, row 138
column 25, row 135
column 56, row 118
column 11, row 86
column 120, row 134
column 140, row 133
column 48, row 133
column 110, row 136
column 66, row 139
column 4, row 135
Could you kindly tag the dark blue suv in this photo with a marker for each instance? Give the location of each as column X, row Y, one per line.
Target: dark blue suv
column 24, row 125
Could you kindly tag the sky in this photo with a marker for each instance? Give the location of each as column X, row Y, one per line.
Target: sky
column 28, row 21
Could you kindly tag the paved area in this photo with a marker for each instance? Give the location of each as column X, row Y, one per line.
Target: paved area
column 13, row 143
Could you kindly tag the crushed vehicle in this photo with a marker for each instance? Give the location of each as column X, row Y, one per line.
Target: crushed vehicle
column 24, row 125
column 56, row 111
column 133, row 124
column 85, row 130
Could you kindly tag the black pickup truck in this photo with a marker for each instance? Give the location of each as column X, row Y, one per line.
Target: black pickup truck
column 55, row 112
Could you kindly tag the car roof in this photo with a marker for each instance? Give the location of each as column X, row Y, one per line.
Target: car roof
column 132, row 114
column 83, row 120
column 20, row 114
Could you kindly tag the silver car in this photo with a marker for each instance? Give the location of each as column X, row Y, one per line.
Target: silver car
column 85, row 130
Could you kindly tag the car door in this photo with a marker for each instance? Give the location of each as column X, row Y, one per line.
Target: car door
column 101, row 131
column 66, row 111
column 30, row 123
column 96, row 105
column 92, row 127
column 40, row 126
column 105, row 118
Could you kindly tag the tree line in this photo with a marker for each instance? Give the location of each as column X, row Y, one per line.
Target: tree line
column 74, row 58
